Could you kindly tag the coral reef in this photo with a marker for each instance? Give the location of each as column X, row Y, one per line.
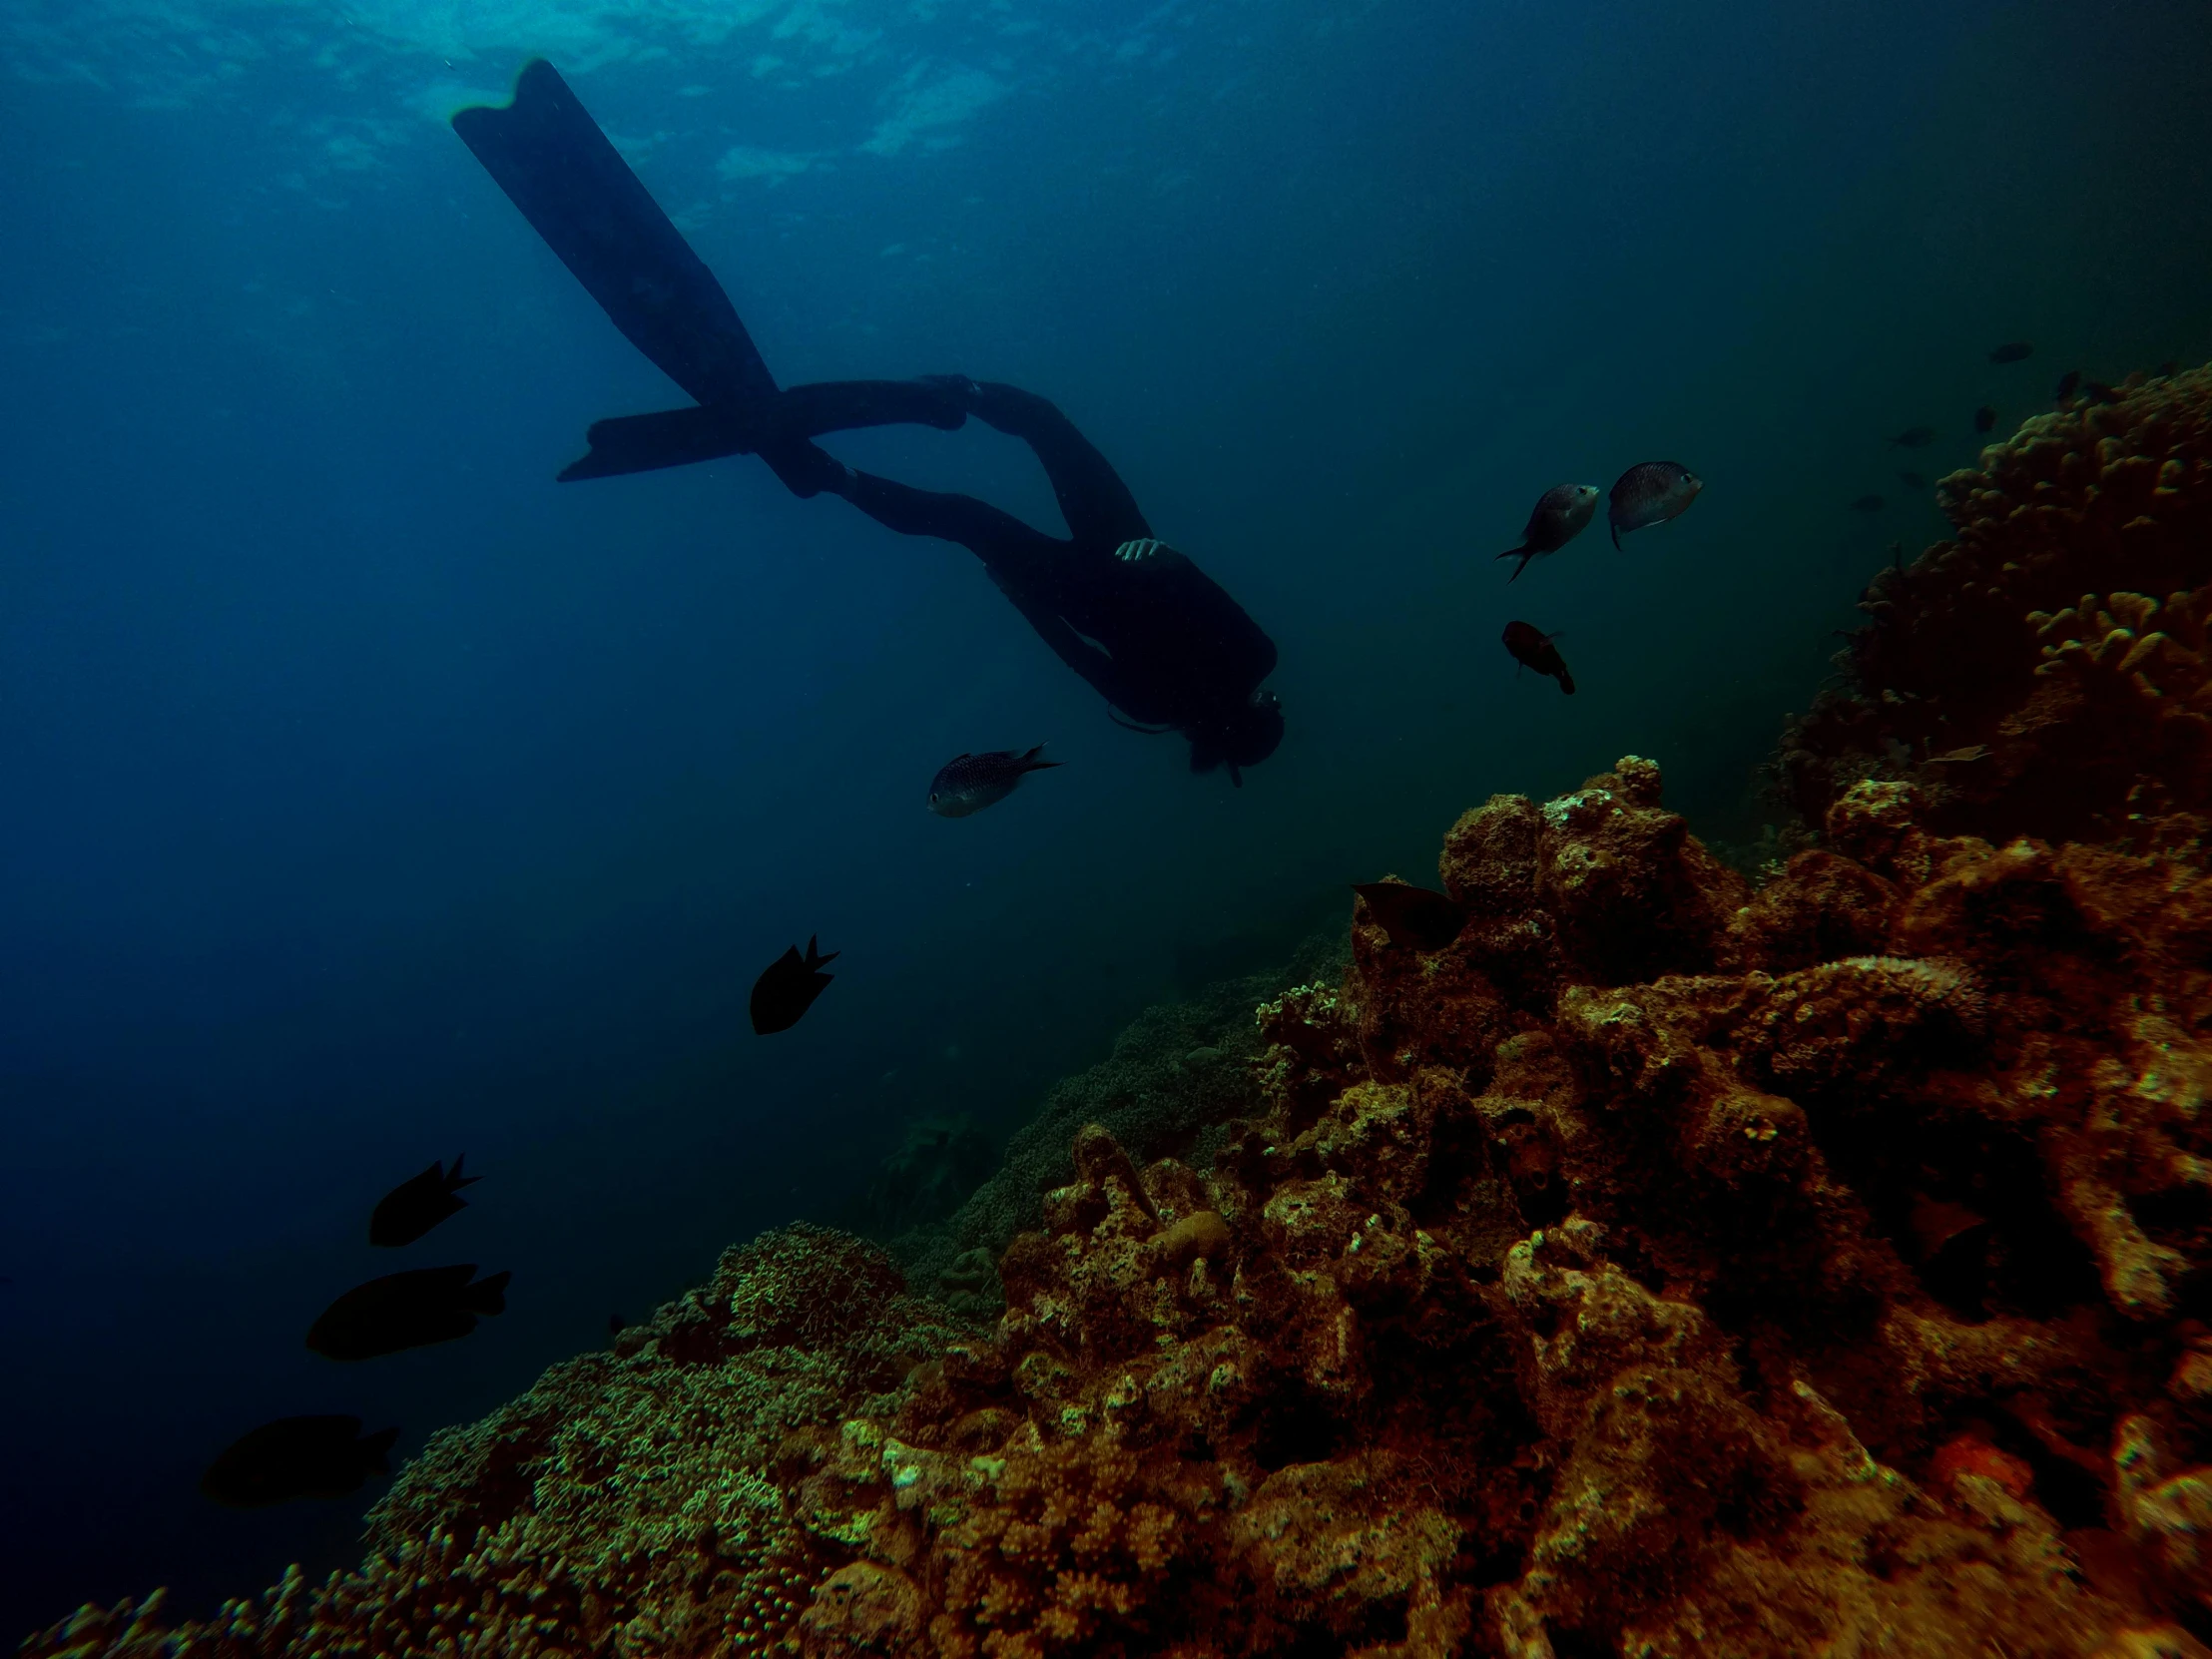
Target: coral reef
column 1660, row 1268
column 624, row 1505
column 2043, row 672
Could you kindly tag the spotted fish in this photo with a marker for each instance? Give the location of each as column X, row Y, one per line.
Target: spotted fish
column 1648, row 493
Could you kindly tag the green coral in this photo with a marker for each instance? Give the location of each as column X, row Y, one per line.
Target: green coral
column 624, row 1505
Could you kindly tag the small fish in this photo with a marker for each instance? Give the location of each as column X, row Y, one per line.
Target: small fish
column 2067, row 383
column 1561, row 514
column 297, row 1458
column 1533, row 649
column 787, row 988
column 969, row 782
column 2096, row 391
column 1913, row 480
column 419, row 1204
column 2011, row 351
column 406, row 1310
column 1985, row 418
column 1648, row 493
column 1414, row 917
column 1913, row 437
column 1868, row 504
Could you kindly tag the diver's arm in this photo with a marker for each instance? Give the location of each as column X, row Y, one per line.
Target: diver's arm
column 1095, row 502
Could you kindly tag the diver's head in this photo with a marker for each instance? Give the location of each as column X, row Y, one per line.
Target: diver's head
column 1243, row 735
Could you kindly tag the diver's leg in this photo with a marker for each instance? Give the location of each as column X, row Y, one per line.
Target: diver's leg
column 1093, row 499
column 997, row 538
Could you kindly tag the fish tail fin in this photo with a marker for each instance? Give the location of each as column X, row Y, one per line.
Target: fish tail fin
column 1030, row 762
column 1525, row 554
column 454, row 1179
column 1616, row 529
column 814, row 958
column 377, row 1449
column 490, row 1295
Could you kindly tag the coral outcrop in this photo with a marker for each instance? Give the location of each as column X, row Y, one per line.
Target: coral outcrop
column 2043, row 672
column 1763, row 1274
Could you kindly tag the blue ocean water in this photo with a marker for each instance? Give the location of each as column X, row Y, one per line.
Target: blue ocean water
column 369, row 797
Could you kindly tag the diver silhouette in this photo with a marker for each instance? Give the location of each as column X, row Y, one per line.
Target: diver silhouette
column 1163, row 643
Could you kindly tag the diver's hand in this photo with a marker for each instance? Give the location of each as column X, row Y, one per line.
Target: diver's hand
column 1136, row 552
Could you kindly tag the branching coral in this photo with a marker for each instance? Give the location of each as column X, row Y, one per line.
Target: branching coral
column 1983, row 674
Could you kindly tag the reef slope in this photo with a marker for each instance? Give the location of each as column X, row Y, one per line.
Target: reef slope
column 1661, row 1268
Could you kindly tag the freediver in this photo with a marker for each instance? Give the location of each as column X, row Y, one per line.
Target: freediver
column 1162, row 642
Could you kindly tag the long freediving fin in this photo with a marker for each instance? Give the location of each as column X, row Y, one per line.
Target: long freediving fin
column 676, row 437
column 549, row 156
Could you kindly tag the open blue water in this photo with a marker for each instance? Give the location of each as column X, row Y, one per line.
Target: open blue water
column 368, row 797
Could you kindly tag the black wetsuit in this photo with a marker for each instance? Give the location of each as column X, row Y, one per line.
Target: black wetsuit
column 1161, row 640
column 1157, row 637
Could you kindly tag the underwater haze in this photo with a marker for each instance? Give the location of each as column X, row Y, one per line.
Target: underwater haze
column 371, row 798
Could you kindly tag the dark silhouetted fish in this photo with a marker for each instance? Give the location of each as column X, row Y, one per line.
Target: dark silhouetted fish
column 1985, row 418
column 2096, row 391
column 789, row 987
column 1532, row 648
column 1648, row 493
column 406, row 1310
column 1563, row 513
column 1868, row 504
column 969, row 782
column 297, row 1458
column 419, row 1204
column 2011, row 351
column 1911, row 480
column 1913, row 437
column 2067, row 383
column 1414, row 917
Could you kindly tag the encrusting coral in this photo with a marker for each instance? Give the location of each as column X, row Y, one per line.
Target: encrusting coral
column 2043, row 672
column 1660, row 1267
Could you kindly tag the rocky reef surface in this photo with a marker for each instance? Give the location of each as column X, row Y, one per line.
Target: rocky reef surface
column 1664, row 1267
